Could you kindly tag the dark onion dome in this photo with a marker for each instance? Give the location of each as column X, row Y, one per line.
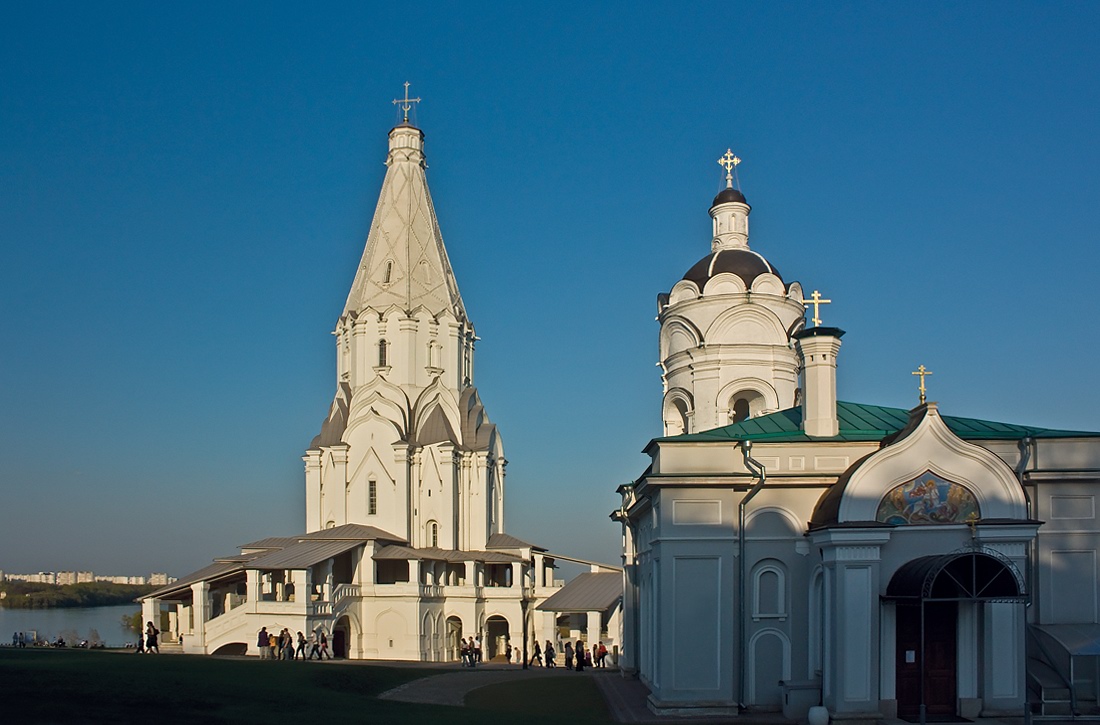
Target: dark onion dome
column 745, row 263
column 725, row 196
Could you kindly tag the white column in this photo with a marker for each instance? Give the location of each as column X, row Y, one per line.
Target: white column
column 200, row 593
column 253, row 588
column 150, row 612
column 594, row 623
column 852, row 559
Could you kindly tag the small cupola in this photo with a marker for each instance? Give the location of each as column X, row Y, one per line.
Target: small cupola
column 730, row 211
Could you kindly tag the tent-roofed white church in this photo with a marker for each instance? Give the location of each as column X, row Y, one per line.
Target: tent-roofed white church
column 404, row 551
column 785, row 549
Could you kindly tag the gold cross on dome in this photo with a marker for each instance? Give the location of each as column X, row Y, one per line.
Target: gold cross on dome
column 406, row 102
column 816, row 301
column 729, row 162
column 922, row 373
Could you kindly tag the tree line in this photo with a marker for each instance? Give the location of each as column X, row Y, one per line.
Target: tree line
column 28, row 595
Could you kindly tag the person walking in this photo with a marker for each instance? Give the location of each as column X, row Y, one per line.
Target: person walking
column 579, row 651
column 263, row 643
column 324, row 646
column 315, row 645
column 477, row 649
column 550, row 654
column 537, row 657
column 151, row 633
column 568, row 655
column 301, row 647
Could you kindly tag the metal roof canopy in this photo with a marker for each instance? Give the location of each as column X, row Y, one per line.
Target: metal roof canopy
column 1079, row 640
column 588, row 592
column 968, row 575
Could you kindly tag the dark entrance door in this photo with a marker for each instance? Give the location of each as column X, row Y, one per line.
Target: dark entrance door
column 940, row 647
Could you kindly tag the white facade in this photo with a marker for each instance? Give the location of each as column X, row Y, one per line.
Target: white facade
column 786, row 560
column 404, row 552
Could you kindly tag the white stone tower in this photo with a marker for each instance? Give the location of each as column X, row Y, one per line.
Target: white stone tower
column 726, row 329
column 407, row 446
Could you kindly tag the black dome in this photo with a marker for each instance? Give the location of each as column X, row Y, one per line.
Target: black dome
column 727, row 195
column 745, row 263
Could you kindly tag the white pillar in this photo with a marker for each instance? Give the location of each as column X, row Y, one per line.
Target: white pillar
column 200, row 593
column 253, row 588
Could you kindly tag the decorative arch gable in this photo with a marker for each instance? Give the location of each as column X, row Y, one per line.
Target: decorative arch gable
column 382, row 399
column 747, row 323
column 724, row 283
column 768, row 284
column 677, row 335
column 766, row 398
column 437, row 395
column 927, row 449
column 683, row 291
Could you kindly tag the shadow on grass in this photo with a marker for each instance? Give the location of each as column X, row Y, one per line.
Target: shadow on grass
column 41, row 686
column 570, row 698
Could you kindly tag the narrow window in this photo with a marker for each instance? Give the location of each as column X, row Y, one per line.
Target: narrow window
column 372, row 498
column 433, row 533
column 382, row 345
column 387, row 276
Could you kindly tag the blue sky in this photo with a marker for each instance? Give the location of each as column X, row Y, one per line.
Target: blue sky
column 185, row 190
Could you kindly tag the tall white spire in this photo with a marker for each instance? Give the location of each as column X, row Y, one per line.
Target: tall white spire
column 404, row 262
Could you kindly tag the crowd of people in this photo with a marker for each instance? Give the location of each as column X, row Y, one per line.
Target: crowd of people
column 286, row 646
column 577, row 657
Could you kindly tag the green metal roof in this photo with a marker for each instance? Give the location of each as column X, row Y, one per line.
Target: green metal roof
column 860, row 422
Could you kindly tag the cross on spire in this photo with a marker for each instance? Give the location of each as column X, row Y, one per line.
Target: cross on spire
column 922, row 373
column 406, row 102
column 816, row 301
column 729, row 162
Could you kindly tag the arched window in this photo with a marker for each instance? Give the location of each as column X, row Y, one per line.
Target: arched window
column 387, row 276
column 769, row 600
column 433, row 534
column 740, row 410
column 382, row 350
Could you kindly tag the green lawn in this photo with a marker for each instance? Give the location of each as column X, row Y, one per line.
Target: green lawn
column 39, row 685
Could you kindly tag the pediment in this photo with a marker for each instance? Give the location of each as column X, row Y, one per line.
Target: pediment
column 928, row 475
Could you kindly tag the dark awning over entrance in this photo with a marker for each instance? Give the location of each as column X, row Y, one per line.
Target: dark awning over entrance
column 959, row 576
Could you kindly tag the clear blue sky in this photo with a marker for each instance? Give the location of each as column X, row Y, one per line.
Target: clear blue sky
column 185, row 190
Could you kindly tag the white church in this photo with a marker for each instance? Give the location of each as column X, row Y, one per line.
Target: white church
column 785, row 549
column 404, row 551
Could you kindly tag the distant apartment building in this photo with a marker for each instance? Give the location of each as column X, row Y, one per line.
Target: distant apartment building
column 80, row 577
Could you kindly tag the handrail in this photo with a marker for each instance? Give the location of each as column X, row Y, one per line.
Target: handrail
column 1050, row 661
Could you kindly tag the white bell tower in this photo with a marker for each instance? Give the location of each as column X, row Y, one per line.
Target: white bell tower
column 726, row 350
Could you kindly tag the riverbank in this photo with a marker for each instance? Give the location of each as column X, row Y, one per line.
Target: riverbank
column 27, row 595
column 73, row 624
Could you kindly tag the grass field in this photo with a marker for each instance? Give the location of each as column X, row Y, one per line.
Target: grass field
column 66, row 686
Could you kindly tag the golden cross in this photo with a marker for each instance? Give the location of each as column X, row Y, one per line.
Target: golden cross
column 816, row 301
column 406, row 102
column 922, row 372
column 729, row 162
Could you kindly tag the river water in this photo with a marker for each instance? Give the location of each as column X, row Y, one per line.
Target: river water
column 48, row 623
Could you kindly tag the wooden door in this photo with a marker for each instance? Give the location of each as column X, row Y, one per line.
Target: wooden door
column 940, row 649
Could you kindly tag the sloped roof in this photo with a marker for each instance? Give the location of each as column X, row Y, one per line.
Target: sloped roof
column 212, row 571
column 861, row 422
column 347, row 532
column 360, row 532
column 303, row 554
column 407, row 553
column 507, row 541
column 588, row 592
